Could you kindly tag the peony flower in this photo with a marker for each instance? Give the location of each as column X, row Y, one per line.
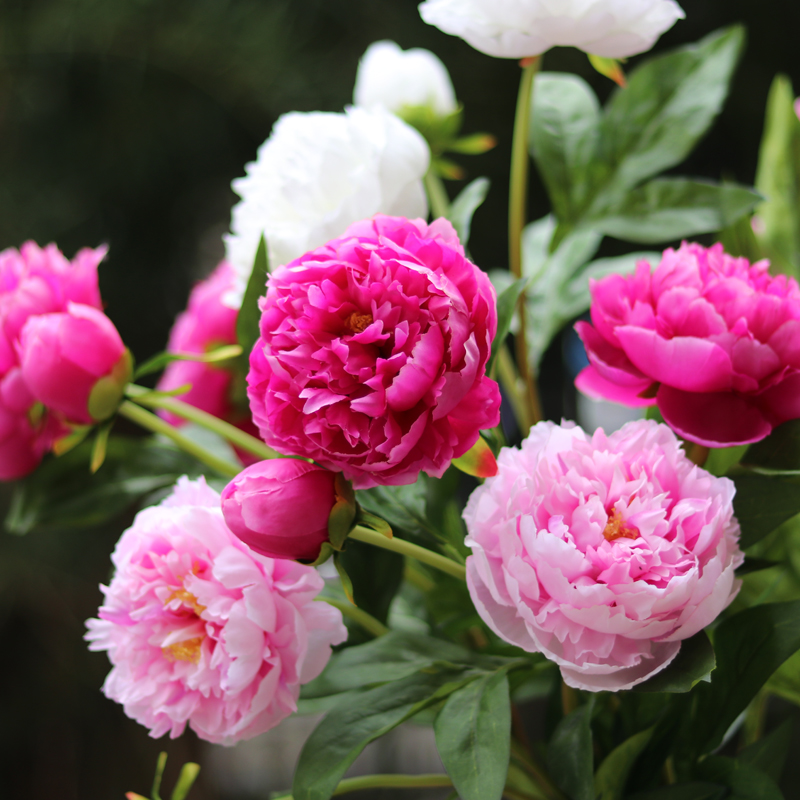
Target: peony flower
column 280, row 508
column 523, row 28
column 714, row 341
column 33, row 281
column 201, row 630
column 603, row 552
column 318, row 173
column 394, row 79
column 74, row 362
column 373, row 352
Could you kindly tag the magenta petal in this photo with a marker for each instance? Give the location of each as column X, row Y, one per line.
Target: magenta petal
column 592, row 383
column 713, row 419
column 610, row 361
column 694, row 365
column 782, row 402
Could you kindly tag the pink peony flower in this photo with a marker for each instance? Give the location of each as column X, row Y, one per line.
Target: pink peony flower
column 280, row 508
column 33, row 281
column 373, row 352
column 601, row 552
column 206, row 325
column 201, row 630
column 714, row 341
column 75, row 362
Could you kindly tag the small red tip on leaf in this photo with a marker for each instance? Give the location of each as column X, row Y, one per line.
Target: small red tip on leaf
column 134, row 796
column 479, row 461
column 610, row 67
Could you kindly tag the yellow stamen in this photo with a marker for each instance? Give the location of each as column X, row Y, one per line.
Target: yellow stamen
column 358, row 322
column 188, row 650
column 187, row 598
column 618, row 528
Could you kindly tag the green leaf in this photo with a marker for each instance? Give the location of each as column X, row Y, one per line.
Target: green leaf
column 779, row 451
column 749, row 647
column 564, row 137
column 473, row 737
column 465, row 205
column 755, row 565
column 249, row 317
column 160, row 765
column 768, row 754
column 666, row 209
column 349, row 728
column 478, row 461
column 609, row 782
column 376, row 576
column 670, row 102
column 403, row 507
column 186, row 779
column 745, row 781
column 777, row 179
column 694, row 662
column 100, row 446
column 684, row 791
column 473, row 145
column 506, row 306
column 761, row 504
column 569, row 754
column 721, row 459
column 161, row 360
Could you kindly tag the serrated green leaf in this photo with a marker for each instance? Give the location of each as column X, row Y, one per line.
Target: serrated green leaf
column 694, row 662
column 463, row 208
column 569, row 754
column 609, row 782
column 473, row 737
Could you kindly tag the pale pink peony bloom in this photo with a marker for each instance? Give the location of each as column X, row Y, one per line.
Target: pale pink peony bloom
column 603, row 552
column 207, row 324
column 714, row 341
column 373, row 353
column 203, row 631
column 34, row 280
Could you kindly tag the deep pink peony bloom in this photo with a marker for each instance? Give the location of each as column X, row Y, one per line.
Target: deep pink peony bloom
column 75, row 362
column 601, row 552
column 373, row 352
column 203, row 631
column 280, row 508
column 714, row 341
column 206, row 325
column 33, row 281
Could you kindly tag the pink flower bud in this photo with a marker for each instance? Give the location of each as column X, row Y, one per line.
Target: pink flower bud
column 75, row 362
column 280, row 508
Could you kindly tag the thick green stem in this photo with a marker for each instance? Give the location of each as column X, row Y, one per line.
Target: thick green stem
column 145, row 397
column 437, row 194
column 517, row 217
column 509, row 378
column 387, row 782
column 699, row 453
column 366, row 621
column 405, row 548
column 157, row 425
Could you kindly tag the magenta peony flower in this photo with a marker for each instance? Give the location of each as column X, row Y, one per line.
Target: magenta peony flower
column 601, row 552
column 75, row 363
column 280, row 508
column 34, row 280
column 714, row 341
column 373, row 352
column 203, row 631
column 206, row 325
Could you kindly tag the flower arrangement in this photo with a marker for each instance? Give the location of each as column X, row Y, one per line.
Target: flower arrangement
column 332, row 395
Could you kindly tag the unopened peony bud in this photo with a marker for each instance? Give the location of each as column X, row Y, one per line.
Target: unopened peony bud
column 280, row 508
column 75, row 363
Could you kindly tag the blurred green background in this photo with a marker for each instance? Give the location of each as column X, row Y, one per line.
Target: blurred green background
column 124, row 122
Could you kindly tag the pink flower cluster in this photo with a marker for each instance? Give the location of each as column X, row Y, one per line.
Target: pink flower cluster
column 55, row 345
column 714, row 341
column 206, row 325
column 603, row 552
column 203, row 631
column 373, row 353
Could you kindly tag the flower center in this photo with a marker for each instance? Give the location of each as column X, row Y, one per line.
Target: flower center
column 188, row 650
column 618, row 528
column 356, row 323
column 188, row 599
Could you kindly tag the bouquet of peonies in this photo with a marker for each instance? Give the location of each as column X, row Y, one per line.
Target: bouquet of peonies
column 327, row 445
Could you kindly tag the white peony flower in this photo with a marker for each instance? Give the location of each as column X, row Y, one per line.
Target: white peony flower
column 522, row 28
column 317, row 174
column 393, row 78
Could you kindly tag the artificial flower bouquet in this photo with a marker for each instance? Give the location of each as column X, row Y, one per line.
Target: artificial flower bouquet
column 327, row 442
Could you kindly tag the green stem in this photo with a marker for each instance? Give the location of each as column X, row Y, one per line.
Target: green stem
column 157, row 425
column 699, row 453
column 405, row 548
column 437, row 194
column 366, row 621
column 517, row 217
column 145, row 397
column 387, row 782
column 507, row 373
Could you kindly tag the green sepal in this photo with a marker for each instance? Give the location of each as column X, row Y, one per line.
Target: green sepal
column 71, row 440
column 343, row 513
column 473, row 145
column 160, row 765
column 447, row 169
column 610, row 67
column 438, row 130
column 478, row 461
column 100, row 446
column 375, row 523
column 347, row 584
column 107, row 393
column 325, row 552
column 186, row 779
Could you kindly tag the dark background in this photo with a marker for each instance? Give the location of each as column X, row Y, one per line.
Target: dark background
column 124, row 121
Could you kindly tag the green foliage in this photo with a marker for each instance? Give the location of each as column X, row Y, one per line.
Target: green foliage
column 761, row 504
column 376, row 575
column 694, row 790
column 569, row 754
column 186, row 779
column 403, row 507
column 463, row 208
column 745, row 781
column 611, row 776
column 506, row 307
column 249, row 317
column 769, row 753
column 694, row 662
